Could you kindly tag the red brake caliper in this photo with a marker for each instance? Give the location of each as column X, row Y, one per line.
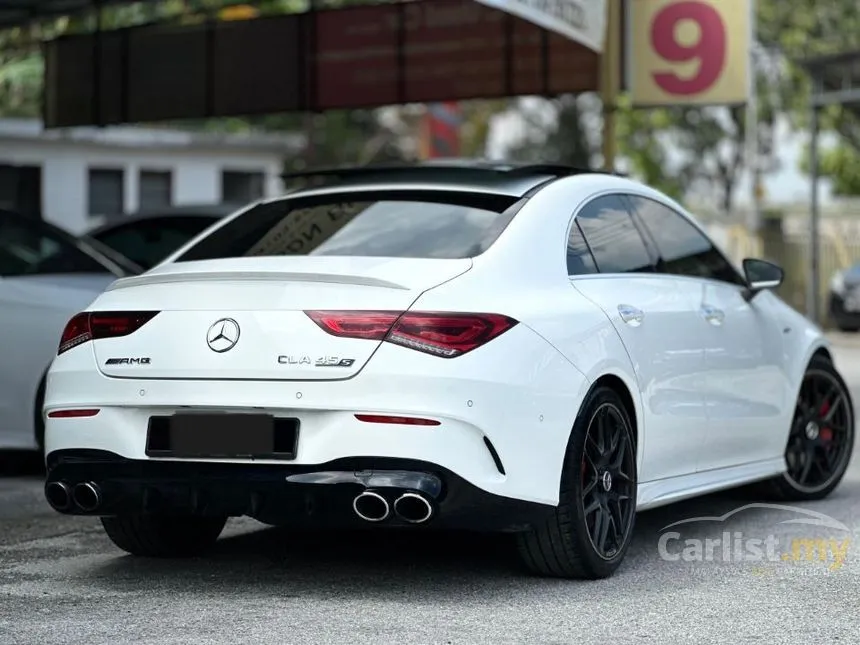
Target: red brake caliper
column 826, row 434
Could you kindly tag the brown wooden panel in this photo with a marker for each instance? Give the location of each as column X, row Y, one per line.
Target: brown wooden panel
column 167, row 73
column 454, row 49
column 257, row 66
column 356, row 57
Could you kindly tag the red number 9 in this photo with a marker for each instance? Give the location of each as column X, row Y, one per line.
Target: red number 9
column 710, row 51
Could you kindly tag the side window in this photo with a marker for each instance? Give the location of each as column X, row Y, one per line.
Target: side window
column 683, row 249
column 28, row 250
column 612, row 236
column 579, row 258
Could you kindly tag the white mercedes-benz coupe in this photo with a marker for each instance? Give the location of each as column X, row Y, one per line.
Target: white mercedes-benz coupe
column 529, row 349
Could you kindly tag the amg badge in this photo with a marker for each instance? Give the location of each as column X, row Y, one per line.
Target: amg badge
column 128, row 361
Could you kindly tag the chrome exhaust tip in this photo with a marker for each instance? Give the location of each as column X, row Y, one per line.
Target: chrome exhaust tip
column 87, row 496
column 59, row 495
column 413, row 508
column 371, row 507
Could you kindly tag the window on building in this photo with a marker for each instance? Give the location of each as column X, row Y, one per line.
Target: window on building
column 156, row 189
column 241, row 187
column 21, row 189
column 106, row 191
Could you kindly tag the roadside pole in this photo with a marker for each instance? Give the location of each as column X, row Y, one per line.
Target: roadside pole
column 611, row 81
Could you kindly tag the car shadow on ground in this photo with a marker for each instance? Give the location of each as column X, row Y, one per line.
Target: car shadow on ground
column 391, row 563
column 386, row 564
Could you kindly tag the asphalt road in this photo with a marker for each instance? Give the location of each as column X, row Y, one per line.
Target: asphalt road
column 62, row 581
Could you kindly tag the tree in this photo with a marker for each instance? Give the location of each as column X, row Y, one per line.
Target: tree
column 842, row 166
column 20, row 84
column 709, row 146
column 803, row 29
column 555, row 131
column 710, row 143
column 684, row 150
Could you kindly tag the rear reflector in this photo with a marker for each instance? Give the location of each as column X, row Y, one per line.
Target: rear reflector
column 405, row 421
column 96, row 325
column 72, row 414
column 438, row 333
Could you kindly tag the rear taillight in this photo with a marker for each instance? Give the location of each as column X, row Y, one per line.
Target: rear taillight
column 369, row 325
column 437, row 333
column 96, row 325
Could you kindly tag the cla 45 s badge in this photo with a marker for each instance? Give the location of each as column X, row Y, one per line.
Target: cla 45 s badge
column 323, row 361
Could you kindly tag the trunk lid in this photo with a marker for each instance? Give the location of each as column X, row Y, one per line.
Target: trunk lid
column 244, row 318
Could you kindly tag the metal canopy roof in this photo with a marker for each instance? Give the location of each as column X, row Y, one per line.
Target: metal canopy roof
column 835, row 79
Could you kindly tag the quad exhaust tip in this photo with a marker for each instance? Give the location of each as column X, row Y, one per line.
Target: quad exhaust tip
column 413, row 508
column 87, row 496
column 371, row 507
column 59, row 495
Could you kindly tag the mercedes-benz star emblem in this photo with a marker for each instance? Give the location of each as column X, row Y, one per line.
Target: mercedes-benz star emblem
column 607, row 481
column 223, row 335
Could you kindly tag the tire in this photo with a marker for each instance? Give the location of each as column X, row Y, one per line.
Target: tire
column 159, row 536
column 787, row 486
column 563, row 546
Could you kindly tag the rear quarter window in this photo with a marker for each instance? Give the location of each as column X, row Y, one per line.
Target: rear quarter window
column 404, row 224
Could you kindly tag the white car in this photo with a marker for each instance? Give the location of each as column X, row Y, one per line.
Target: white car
column 46, row 275
column 526, row 349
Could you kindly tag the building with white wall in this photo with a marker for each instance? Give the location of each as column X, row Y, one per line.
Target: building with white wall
column 74, row 177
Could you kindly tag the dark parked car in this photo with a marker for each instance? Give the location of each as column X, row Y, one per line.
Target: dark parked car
column 146, row 238
column 844, row 299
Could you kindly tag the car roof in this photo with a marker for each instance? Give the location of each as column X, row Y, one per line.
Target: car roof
column 105, row 256
column 504, row 178
column 212, row 211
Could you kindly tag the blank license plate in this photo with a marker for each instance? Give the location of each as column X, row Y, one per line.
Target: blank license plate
column 258, row 436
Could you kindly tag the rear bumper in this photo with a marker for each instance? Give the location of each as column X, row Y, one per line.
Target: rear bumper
column 289, row 495
column 505, row 412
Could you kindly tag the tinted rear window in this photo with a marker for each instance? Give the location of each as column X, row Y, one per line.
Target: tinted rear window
column 391, row 224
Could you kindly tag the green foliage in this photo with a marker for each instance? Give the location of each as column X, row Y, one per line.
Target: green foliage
column 20, row 85
column 841, row 165
column 711, row 142
column 803, row 29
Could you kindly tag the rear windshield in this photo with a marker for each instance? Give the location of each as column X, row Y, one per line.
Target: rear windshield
column 391, row 224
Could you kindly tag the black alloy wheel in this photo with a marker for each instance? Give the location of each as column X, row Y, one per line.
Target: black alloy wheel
column 608, row 486
column 821, row 438
column 589, row 533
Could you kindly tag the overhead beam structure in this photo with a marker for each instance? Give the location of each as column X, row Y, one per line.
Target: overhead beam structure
column 835, row 81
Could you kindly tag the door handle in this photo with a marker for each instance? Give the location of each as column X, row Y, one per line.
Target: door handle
column 631, row 315
column 713, row 315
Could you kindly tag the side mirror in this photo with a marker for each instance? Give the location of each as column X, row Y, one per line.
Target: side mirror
column 761, row 275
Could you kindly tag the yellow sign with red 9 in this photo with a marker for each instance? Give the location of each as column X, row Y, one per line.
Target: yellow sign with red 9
column 689, row 52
